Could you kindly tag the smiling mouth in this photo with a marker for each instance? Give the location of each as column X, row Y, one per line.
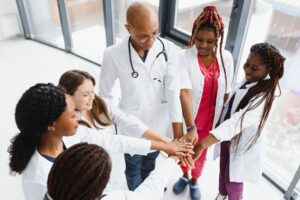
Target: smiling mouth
column 203, row 50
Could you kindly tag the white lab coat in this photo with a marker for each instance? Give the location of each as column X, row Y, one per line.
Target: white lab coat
column 243, row 165
column 143, row 96
column 152, row 187
column 192, row 78
column 35, row 175
column 129, row 125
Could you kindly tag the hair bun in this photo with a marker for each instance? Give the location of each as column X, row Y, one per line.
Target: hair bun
column 208, row 8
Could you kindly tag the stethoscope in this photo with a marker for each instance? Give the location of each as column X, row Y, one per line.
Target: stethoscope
column 134, row 73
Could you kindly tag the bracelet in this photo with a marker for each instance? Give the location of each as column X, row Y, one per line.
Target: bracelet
column 191, row 128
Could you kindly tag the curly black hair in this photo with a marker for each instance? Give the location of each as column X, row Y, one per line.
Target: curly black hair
column 80, row 172
column 39, row 107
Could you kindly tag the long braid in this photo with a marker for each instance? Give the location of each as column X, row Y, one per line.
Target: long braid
column 81, row 172
column 264, row 89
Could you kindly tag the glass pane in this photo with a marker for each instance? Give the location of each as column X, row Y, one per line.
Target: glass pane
column 188, row 10
column 44, row 21
column 119, row 16
column 87, row 28
column 278, row 22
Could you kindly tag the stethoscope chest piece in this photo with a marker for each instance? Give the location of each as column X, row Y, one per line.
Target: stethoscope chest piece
column 135, row 74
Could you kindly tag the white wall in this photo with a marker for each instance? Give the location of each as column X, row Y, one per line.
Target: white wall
column 10, row 24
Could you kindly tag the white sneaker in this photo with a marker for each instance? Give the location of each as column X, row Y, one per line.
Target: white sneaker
column 221, row 197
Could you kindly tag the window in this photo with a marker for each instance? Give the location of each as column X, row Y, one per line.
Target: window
column 44, row 21
column 87, row 28
column 278, row 22
column 188, row 11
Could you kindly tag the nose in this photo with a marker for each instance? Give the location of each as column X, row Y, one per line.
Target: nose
column 77, row 116
column 92, row 96
column 149, row 42
column 203, row 44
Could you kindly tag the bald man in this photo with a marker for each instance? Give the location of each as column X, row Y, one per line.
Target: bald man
column 147, row 68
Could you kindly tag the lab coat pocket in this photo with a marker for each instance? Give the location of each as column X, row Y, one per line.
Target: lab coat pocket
column 159, row 86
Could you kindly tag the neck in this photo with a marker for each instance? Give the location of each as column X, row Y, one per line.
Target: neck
column 138, row 49
column 50, row 145
column 87, row 115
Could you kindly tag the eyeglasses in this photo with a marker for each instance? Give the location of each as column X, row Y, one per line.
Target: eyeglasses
column 144, row 39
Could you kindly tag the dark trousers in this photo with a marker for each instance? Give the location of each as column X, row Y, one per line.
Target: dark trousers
column 138, row 168
column 234, row 190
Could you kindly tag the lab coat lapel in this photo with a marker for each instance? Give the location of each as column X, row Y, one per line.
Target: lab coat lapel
column 153, row 52
column 196, row 69
column 136, row 59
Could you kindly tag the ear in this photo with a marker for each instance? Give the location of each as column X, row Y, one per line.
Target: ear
column 52, row 127
column 269, row 69
column 128, row 28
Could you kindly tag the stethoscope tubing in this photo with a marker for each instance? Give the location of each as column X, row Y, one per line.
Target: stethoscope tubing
column 134, row 73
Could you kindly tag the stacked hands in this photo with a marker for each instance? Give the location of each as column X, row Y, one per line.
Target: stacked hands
column 185, row 149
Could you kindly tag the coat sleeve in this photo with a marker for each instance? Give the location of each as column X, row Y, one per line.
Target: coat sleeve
column 114, row 143
column 172, row 85
column 108, row 75
column 229, row 70
column 129, row 124
column 186, row 82
column 231, row 127
column 151, row 188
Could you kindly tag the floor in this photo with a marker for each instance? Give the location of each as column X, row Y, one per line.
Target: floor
column 24, row 63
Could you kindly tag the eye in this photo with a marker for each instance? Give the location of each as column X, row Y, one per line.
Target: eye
column 210, row 41
column 254, row 68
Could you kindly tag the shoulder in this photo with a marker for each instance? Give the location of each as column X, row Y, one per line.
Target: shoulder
column 117, row 48
column 37, row 170
column 227, row 56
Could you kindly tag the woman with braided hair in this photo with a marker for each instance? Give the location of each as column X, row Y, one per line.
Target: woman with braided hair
column 82, row 172
column 207, row 72
column 48, row 124
column 238, row 137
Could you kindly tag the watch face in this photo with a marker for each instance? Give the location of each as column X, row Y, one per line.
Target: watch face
column 135, row 74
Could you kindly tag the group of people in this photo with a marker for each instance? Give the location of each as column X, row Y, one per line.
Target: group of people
column 163, row 90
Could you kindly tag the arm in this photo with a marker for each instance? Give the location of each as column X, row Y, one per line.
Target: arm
column 153, row 135
column 231, row 127
column 152, row 187
column 186, row 99
column 125, row 144
column 188, row 114
column 108, row 75
column 172, row 89
column 131, row 125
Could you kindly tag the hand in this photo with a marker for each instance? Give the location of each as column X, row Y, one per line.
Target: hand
column 198, row 151
column 175, row 158
column 191, row 136
column 178, row 148
column 187, row 161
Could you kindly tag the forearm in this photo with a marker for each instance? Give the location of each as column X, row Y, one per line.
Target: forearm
column 177, row 130
column 157, row 145
column 187, row 106
column 226, row 97
column 206, row 142
column 153, row 135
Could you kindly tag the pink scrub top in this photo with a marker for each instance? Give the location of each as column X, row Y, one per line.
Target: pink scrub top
column 205, row 116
